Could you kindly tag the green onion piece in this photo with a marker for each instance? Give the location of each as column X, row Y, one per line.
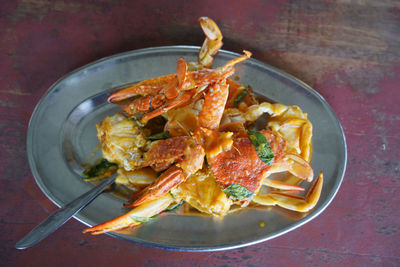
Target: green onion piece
column 238, row 192
column 159, row 136
column 262, row 147
column 102, row 169
column 172, row 195
column 239, row 98
column 173, row 207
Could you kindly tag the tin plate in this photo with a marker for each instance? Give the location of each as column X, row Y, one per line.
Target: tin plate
column 62, row 136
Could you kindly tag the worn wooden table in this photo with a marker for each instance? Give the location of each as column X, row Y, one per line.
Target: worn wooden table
column 349, row 51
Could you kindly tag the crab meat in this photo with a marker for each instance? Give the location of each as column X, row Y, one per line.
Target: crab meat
column 122, row 141
column 202, row 192
column 241, row 165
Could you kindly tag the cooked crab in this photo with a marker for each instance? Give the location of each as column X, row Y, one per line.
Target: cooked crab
column 207, row 116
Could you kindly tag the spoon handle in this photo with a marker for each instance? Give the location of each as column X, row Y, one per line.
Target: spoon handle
column 59, row 217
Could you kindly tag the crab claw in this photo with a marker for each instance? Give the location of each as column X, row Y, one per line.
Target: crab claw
column 146, row 87
column 294, row 164
column 210, row 28
column 181, row 69
column 191, row 80
column 146, row 210
column 168, row 85
column 299, row 167
column 293, row 202
column 181, row 99
column 158, row 95
column 193, row 159
column 211, row 44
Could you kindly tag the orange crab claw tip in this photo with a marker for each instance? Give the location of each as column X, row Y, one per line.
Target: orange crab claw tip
column 111, row 98
column 118, row 96
column 121, row 93
column 247, row 53
column 181, row 70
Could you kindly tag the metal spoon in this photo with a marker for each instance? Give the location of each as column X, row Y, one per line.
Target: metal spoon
column 59, row 217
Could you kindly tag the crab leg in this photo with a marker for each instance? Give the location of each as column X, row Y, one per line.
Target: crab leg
column 146, row 210
column 208, row 76
column 175, row 90
column 146, row 87
column 193, row 158
column 305, row 141
column 192, row 79
column 213, row 107
column 181, row 69
column 293, row 202
column 211, row 111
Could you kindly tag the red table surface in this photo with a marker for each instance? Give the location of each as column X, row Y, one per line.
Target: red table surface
column 349, row 51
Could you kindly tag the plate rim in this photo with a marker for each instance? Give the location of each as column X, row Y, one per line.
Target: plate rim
column 279, row 72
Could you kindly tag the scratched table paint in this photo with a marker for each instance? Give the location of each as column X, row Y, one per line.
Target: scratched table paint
column 349, row 51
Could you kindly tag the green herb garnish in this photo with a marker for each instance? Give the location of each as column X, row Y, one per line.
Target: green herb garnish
column 238, row 192
column 173, row 207
column 102, row 169
column 239, row 98
column 262, row 147
column 172, row 195
column 159, row 136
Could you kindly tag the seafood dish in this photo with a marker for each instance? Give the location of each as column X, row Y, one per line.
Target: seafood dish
column 193, row 137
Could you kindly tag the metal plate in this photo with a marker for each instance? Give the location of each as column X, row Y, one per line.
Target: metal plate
column 62, row 136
